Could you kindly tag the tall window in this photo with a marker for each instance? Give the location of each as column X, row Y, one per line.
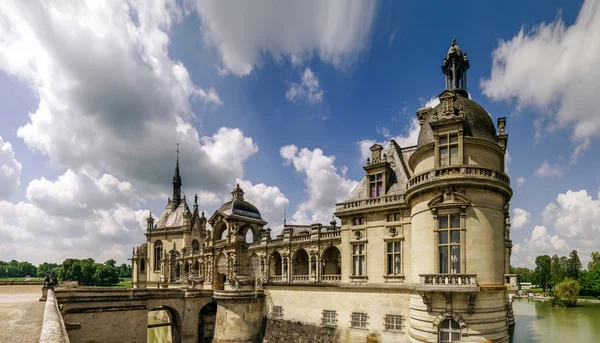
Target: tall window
column 142, row 266
column 376, row 185
column 195, row 245
column 158, row 248
column 277, row 312
column 329, row 317
column 448, row 149
column 393, row 217
column 393, row 322
column 450, row 331
column 393, row 258
column 449, row 244
column 359, row 320
column 358, row 259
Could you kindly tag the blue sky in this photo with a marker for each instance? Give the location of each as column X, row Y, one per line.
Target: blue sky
column 283, row 98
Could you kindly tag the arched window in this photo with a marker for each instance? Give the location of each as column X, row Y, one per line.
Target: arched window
column 158, row 249
column 450, row 331
column 195, row 245
column 332, row 261
column 275, row 264
column 249, row 235
column 301, row 262
column 142, row 266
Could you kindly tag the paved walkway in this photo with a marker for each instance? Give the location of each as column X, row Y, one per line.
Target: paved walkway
column 21, row 314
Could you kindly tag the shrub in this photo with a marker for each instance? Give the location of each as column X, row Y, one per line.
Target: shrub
column 565, row 293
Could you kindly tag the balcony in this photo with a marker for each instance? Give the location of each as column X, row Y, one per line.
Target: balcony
column 386, row 200
column 300, row 278
column 466, row 173
column 331, row 278
column 276, row 278
column 448, row 282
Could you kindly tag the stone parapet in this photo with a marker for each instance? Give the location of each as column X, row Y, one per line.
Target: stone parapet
column 53, row 328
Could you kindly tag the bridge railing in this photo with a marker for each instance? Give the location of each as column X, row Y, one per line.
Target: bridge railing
column 53, row 327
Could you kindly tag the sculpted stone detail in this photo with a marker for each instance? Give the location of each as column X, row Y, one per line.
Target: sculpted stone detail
column 357, row 234
column 393, row 231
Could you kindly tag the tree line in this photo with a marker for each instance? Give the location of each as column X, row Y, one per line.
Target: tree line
column 551, row 271
column 86, row 271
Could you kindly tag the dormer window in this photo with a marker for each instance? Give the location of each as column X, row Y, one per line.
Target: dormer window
column 448, row 146
column 358, row 221
column 376, row 185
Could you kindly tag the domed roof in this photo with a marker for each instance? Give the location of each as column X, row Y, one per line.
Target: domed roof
column 239, row 206
column 478, row 123
column 454, row 49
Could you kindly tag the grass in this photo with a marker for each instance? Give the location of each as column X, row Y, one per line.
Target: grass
column 125, row 283
column 4, row 278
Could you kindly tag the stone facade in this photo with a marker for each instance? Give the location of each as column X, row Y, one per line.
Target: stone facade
column 421, row 254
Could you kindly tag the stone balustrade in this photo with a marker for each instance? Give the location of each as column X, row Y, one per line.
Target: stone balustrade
column 331, row 278
column 459, row 170
column 276, row 241
column 330, row 234
column 300, row 278
column 301, row 238
column 278, row 278
column 53, row 327
column 448, row 281
column 371, row 202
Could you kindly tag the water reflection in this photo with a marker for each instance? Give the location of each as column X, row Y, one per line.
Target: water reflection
column 538, row 321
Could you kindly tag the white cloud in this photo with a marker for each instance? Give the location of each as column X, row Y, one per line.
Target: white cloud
column 10, row 170
column 553, row 67
column 408, row 138
column 574, row 220
column 432, row 102
column 546, row 170
column 520, row 217
column 308, row 89
column 110, row 96
column 520, row 181
column 336, row 31
column 324, row 185
column 269, row 200
column 507, row 159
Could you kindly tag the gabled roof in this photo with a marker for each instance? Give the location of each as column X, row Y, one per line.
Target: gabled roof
column 173, row 218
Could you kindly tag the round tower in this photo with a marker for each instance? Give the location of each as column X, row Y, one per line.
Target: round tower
column 458, row 195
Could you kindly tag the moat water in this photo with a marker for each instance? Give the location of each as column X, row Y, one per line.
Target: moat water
column 538, row 321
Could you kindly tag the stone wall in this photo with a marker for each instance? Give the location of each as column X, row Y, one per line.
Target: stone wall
column 283, row 331
column 53, row 328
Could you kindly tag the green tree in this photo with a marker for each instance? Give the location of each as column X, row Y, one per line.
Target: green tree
column 589, row 282
column 542, row 270
column 557, row 274
column 525, row 274
column 26, row 268
column 111, row 263
column 46, row 268
column 105, row 275
column 573, row 266
column 566, row 292
column 595, row 262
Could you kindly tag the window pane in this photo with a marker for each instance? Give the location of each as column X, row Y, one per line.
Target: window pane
column 379, row 176
column 397, row 246
column 443, row 222
column 361, row 249
column 455, row 236
column 397, row 216
column 455, row 222
column 453, row 139
column 443, row 237
column 390, row 264
column 355, row 265
column 444, row 156
column 389, row 247
column 397, row 264
column 455, row 259
column 443, row 140
column 454, row 155
column 361, row 269
column 355, row 249
column 443, row 260
column 372, row 177
column 379, row 189
column 373, row 188
column 389, row 217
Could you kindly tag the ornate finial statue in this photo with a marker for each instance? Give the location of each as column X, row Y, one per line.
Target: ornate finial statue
column 196, row 199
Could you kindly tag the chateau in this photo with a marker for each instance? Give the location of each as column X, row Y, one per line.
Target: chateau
column 421, row 252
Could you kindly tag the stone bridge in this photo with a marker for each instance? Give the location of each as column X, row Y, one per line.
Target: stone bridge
column 193, row 315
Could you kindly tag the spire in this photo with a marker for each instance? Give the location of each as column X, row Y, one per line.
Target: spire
column 455, row 67
column 176, row 183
